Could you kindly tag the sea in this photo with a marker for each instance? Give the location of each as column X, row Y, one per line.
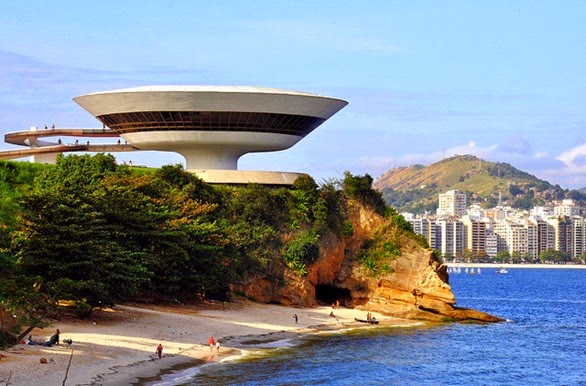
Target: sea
column 543, row 342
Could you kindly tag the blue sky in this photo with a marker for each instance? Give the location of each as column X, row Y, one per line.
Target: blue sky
column 505, row 81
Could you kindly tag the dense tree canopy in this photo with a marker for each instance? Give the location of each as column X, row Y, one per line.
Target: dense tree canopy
column 91, row 233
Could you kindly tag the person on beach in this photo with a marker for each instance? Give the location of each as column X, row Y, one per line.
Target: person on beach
column 159, row 351
column 52, row 341
column 218, row 345
column 211, row 342
column 295, row 318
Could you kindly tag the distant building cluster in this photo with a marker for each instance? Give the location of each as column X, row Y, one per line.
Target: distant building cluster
column 458, row 231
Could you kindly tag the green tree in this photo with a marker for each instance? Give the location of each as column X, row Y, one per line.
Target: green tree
column 469, row 256
column 516, row 257
column 360, row 188
column 302, row 251
column 555, row 257
column 68, row 243
column 502, row 257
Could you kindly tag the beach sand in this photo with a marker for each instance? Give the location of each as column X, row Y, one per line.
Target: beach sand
column 116, row 346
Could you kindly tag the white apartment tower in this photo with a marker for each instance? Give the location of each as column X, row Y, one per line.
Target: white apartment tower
column 511, row 237
column 567, row 208
column 452, row 237
column 452, row 203
column 532, row 239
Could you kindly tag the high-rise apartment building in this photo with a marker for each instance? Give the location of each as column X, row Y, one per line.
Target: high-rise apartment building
column 578, row 236
column 452, row 237
column 567, row 208
column 501, row 229
column 532, row 239
column 562, row 233
column 511, row 237
column 452, row 203
column 474, row 236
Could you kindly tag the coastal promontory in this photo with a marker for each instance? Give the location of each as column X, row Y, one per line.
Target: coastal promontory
column 87, row 233
column 411, row 283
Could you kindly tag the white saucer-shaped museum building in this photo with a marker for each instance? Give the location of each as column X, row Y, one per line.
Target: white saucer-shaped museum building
column 213, row 126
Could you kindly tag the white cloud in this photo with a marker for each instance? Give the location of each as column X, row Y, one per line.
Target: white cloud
column 574, row 158
column 540, row 155
column 569, row 173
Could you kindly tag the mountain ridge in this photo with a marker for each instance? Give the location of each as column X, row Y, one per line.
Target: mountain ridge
column 416, row 188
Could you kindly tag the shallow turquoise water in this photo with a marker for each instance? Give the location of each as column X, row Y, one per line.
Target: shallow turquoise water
column 544, row 343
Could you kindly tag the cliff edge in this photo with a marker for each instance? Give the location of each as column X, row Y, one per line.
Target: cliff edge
column 413, row 284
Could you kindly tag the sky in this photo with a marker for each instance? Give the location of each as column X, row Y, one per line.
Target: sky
column 425, row 80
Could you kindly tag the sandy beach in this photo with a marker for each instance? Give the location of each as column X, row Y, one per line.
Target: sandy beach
column 116, row 346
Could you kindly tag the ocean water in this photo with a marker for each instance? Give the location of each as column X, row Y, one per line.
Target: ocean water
column 542, row 343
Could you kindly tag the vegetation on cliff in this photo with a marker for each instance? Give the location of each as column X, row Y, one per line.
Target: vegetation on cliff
column 88, row 233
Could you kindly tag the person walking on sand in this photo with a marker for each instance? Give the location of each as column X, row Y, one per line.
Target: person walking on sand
column 295, row 318
column 211, row 342
column 218, row 346
column 159, row 351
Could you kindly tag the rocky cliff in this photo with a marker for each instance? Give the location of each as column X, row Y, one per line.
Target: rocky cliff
column 416, row 286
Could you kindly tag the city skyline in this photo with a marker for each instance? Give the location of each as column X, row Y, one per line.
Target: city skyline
column 461, row 231
column 423, row 81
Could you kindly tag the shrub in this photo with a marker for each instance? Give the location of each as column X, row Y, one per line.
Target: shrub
column 302, row 251
column 347, row 228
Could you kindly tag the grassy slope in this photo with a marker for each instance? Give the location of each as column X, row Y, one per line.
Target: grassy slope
column 464, row 173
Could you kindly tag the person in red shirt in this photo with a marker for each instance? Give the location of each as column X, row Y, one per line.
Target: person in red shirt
column 211, row 342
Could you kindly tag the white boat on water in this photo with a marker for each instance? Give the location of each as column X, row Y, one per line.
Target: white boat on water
column 502, row 270
column 472, row 271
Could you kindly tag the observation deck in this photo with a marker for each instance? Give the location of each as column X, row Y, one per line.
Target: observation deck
column 211, row 126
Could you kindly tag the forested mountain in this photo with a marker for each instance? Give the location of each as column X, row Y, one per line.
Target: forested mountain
column 415, row 188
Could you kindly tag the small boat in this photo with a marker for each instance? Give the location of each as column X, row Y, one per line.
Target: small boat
column 502, row 270
column 371, row 321
column 472, row 271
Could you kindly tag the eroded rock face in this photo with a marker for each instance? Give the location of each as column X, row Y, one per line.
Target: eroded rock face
column 418, row 288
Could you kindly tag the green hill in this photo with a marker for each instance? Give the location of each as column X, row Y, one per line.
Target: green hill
column 416, row 188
